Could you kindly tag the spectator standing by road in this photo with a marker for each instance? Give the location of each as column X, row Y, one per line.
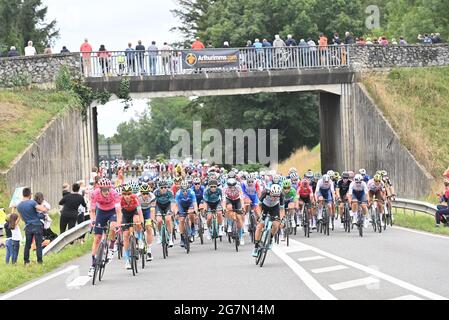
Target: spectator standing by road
column 86, row 52
column 140, row 54
column 65, row 189
column 226, row 44
column 48, row 50
column 104, row 56
column 30, row 50
column 28, row 210
column 443, row 210
column 268, row 53
column 402, row 41
column 13, row 52
column 279, row 45
column 152, row 53
column 304, row 52
column 71, row 204
column 13, row 237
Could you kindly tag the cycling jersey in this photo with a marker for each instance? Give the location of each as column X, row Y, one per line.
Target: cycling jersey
column 233, row 193
column 270, row 201
column 146, row 204
column 104, row 203
column 358, row 187
column 325, row 190
column 373, row 187
column 250, row 191
column 185, row 200
column 212, row 197
column 132, row 205
column 163, row 199
column 198, row 193
column 343, row 187
column 290, row 195
column 305, row 192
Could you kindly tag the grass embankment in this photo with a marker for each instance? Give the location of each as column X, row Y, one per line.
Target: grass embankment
column 12, row 276
column 415, row 101
column 418, row 221
column 303, row 159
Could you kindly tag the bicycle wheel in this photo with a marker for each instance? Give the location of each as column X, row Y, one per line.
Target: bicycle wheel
column 98, row 259
column 103, row 261
column 163, row 241
column 378, row 221
column 253, row 227
column 186, row 243
column 143, row 255
column 132, row 254
column 119, row 246
column 200, row 230
column 360, row 224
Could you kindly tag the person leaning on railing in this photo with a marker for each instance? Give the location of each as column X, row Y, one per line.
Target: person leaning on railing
column 443, row 210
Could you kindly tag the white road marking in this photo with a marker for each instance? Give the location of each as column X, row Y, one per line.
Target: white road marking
column 378, row 274
column 407, row 297
column 79, row 282
column 311, row 258
column 353, row 283
column 38, row 282
column 422, row 233
column 330, row 269
column 308, row 280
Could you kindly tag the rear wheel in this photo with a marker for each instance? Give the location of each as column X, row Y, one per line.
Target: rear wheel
column 360, row 224
column 132, row 254
column 263, row 255
column 103, row 261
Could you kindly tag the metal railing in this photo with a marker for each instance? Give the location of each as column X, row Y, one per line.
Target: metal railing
column 415, row 206
column 67, row 237
column 170, row 62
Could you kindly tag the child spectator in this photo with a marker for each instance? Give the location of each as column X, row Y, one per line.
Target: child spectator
column 39, row 198
column 13, row 238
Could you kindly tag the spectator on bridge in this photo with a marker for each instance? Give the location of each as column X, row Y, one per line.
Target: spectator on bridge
column 65, row 50
column 436, row 39
column 268, row 53
column 210, row 45
column 322, row 45
column 30, row 50
column 86, row 52
column 130, row 55
column 393, row 41
column 48, row 50
column 427, row 39
column 303, row 53
column 71, row 204
column 13, row 52
column 402, row 41
column 312, row 51
column 383, row 41
column 152, row 53
column 197, row 44
column 369, row 41
column 28, row 210
column 290, row 42
column 166, row 56
column 278, row 44
column 348, row 38
column 140, row 55
column 360, row 41
column 226, row 44
column 103, row 56
column 336, row 39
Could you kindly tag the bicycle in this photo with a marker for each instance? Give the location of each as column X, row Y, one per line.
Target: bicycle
column 265, row 241
column 252, row 225
column 305, row 214
column 323, row 223
column 347, row 217
column 234, row 234
column 388, row 212
column 133, row 250
column 215, row 227
column 165, row 236
column 375, row 216
column 360, row 219
column 119, row 243
column 101, row 256
column 201, row 226
column 288, row 225
column 187, row 234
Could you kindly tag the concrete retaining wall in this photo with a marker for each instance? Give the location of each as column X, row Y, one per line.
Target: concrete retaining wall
column 62, row 153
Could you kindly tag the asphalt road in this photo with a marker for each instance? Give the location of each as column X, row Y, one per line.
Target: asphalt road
column 397, row 264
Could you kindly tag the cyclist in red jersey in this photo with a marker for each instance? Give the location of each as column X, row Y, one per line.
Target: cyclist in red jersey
column 305, row 196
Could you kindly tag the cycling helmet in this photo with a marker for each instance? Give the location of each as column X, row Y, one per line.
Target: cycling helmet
column 213, row 182
column 127, row 188
column 309, row 175
column 358, row 178
column 145, row 188
column 178, row 179
column 326, row 178
column 383, row 173
column 253, row 175
column 231, row 182
column 251, row 180
column 105, row 183
column 362, row 172
column 345, row 175
column 118, row 190
column 135, row 186
column 196, row 181
column 330, row 173
column 287, row 184
column 276, row 179
column 275, row 190
column 377, row 178
column 336, row 176
column 292, row 170
column 146, row 179
column 185, row 185
column 317, row 176
column 163, row 183
column 294, row 176
column 231, row 174
column 305, row 183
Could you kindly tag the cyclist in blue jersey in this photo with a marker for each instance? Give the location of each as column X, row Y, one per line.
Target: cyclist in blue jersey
column 186, row 201
column 251, row 192
column 164, row 203
column 198, row 188
column 366, row 177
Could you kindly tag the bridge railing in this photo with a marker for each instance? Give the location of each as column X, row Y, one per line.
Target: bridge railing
column 173, row 62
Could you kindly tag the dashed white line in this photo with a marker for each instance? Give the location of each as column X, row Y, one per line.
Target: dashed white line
column 314, row 258
column 38, row 282
column 330, row 269
column 80, row 281
column 353, row 283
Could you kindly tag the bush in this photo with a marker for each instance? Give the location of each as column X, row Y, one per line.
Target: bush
column 63, row 79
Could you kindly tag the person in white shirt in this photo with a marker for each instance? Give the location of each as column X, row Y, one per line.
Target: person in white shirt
column 30, row 50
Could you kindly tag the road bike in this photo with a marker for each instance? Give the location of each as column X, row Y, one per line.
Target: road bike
column 252, row 225
column 375, row 216
column 101, row 256
column 323, row 223
column 305, row 214
column 134, row 252
column 234, row 235
column 119, row 244
column 288, row 229
column 165, row 236
column 201, row 226
column 360, row 218
column 215, row 231
column 389, row 219
column 265, row 241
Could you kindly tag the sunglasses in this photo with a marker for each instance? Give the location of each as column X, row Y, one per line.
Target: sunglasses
column 286, row 188
column 163, row 187
column 213, row 186
column 127, row 193
column 197, row 184
column 145, row 193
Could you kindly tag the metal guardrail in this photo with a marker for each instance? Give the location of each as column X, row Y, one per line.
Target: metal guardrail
column 415, row 206
column 66, row 238
column 169, row 62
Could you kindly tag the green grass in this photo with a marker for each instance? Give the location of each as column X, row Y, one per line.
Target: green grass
column 13, row 276
column 23, row 114
column 418, row 221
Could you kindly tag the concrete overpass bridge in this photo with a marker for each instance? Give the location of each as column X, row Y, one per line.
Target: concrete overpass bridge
column 354, row 133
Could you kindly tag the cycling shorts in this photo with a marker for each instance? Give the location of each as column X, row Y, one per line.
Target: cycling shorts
column 254, row 200
column 326, row 194
column 146, row 213
column 128, row 217
column 273, row 212
column 215, row 206
column 305, row 199
column 102, row 218
column 287, row 202
column 377, row 193
column 359, row 195
column 236, row 204
column 163, row 209
column 182, row 210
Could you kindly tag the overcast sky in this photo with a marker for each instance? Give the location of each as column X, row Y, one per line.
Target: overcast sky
column 114, row 24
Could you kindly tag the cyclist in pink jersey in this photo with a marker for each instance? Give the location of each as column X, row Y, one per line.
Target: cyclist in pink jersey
column 104, row 207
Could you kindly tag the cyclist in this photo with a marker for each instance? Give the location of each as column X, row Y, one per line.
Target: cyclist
column 389, row 189
column 131, row 213
column 365, row 176
column 324, row 192
column 316, row 177
column 358, row 192
column 164, row 202
column 212, row 197
column 233, row 203
column 199, row 191
column 305, row 196
column 272, row 203
column 376, row 189
column 294, row 178
column 290, row 202
column 104, row 207
column 342, row 192
column 186, row 203
column 251, row 192
column 146, row 199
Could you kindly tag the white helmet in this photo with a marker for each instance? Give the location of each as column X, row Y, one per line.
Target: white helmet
column 358, row 178
column 330, row 173
column 292, row 169
column 362, row 172
column 275, row 190
column 326, row 178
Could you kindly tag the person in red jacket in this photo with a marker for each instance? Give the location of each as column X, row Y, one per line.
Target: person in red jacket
column 198, row 44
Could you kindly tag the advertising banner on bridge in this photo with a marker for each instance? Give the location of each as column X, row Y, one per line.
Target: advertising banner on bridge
column 206, row 58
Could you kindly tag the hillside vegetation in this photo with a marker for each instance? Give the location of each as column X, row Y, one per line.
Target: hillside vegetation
column 303, row 159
